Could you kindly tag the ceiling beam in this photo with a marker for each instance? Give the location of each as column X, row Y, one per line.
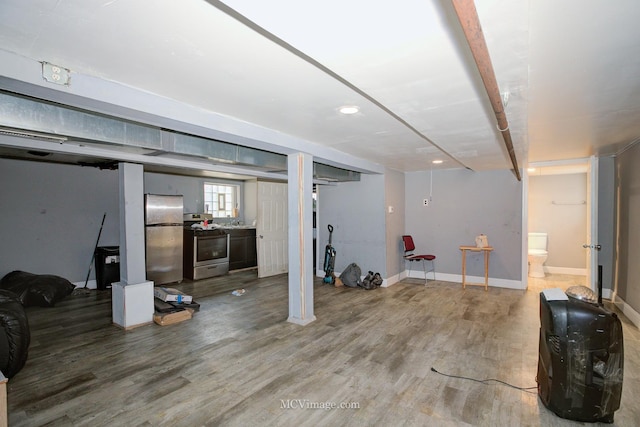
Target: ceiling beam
column 468, row 17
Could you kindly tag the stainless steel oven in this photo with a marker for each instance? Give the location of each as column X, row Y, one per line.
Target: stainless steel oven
column 206, row 253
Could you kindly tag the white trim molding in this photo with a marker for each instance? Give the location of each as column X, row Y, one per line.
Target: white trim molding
column 91, row 284
column 457, row 278
column 565, row 270
column 627, row 310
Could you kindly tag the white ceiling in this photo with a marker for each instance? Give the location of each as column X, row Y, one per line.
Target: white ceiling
column 570, row 69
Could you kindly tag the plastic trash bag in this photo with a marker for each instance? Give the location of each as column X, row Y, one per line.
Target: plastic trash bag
column 42, row 290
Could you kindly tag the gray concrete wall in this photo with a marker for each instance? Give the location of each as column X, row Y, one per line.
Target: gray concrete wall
column 606, row 219
column 628, row 236
column 357, row 212
column 51, row 214
column 395, row 220
column 464, row 205
column 51, row 217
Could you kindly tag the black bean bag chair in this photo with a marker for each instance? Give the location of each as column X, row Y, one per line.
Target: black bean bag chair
column 41, row 290
column 14, row 334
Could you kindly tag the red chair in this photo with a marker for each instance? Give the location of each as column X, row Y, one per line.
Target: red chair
column 409, row 247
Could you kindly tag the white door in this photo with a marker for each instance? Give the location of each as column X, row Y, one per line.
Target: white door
column 272, row 229
column 592, row 245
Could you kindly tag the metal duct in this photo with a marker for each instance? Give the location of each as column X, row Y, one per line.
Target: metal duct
column 199, row 147
column 33, row 118
column 272, row 162
column 330, row 173
column 22, row 113
column 222, row 152
column 468, row 17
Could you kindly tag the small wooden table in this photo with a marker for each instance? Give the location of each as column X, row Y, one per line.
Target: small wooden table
column 486, row 250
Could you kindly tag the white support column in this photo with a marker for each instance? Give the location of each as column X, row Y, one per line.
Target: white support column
column 300, row 175
column 132, row 297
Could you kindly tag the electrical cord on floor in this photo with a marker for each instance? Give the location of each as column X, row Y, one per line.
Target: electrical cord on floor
column 487, row 381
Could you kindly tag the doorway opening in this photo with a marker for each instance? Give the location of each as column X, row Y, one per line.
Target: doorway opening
column 559, row 199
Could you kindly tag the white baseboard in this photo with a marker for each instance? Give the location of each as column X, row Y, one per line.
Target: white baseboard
column 457, row 278
column 565, row 270
column 493, row 282
column 392, row 280
column 628, row 311
column 91, row 284
column 419, row 274
column 385, row 282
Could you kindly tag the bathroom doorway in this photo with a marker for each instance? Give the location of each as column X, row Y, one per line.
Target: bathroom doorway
column 560, row 200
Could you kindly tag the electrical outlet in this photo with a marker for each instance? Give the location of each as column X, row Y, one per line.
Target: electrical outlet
column 425, row 202
column 390, row 209
column 55, row 74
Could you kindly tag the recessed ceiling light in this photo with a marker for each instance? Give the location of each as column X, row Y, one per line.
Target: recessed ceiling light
column 349, row 109
column 436, row 162
column 531, row 169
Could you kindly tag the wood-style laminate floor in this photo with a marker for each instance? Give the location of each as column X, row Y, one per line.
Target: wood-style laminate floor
column 239, row 362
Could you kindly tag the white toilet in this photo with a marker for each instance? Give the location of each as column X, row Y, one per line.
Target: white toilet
column 537, row 254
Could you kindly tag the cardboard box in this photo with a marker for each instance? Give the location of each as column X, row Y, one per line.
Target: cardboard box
column 170, row 294
column 164, row 319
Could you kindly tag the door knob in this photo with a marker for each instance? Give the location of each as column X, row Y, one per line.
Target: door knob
column 596, row 247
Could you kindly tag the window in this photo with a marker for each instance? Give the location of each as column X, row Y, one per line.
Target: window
column 221, row 200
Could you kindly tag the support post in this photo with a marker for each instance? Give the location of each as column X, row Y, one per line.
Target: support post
column 132, row 297
column 300, row 179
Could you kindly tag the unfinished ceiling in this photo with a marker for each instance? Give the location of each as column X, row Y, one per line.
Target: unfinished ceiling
column 274, row 74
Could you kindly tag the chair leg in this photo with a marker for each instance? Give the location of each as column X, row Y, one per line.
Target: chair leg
column 433, row 268
column 424, row 267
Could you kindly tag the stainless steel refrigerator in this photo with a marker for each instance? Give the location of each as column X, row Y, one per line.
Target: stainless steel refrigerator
column 163, row 221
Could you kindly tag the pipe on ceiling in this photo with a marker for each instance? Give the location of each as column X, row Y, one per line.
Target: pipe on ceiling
column 468, row 17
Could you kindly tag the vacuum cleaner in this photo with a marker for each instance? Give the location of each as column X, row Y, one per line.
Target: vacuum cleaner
column 329, row 260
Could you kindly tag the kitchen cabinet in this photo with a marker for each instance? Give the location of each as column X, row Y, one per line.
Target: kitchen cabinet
column 242, row 248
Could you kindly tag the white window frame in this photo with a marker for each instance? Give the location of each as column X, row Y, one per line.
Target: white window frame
column 216, row 193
